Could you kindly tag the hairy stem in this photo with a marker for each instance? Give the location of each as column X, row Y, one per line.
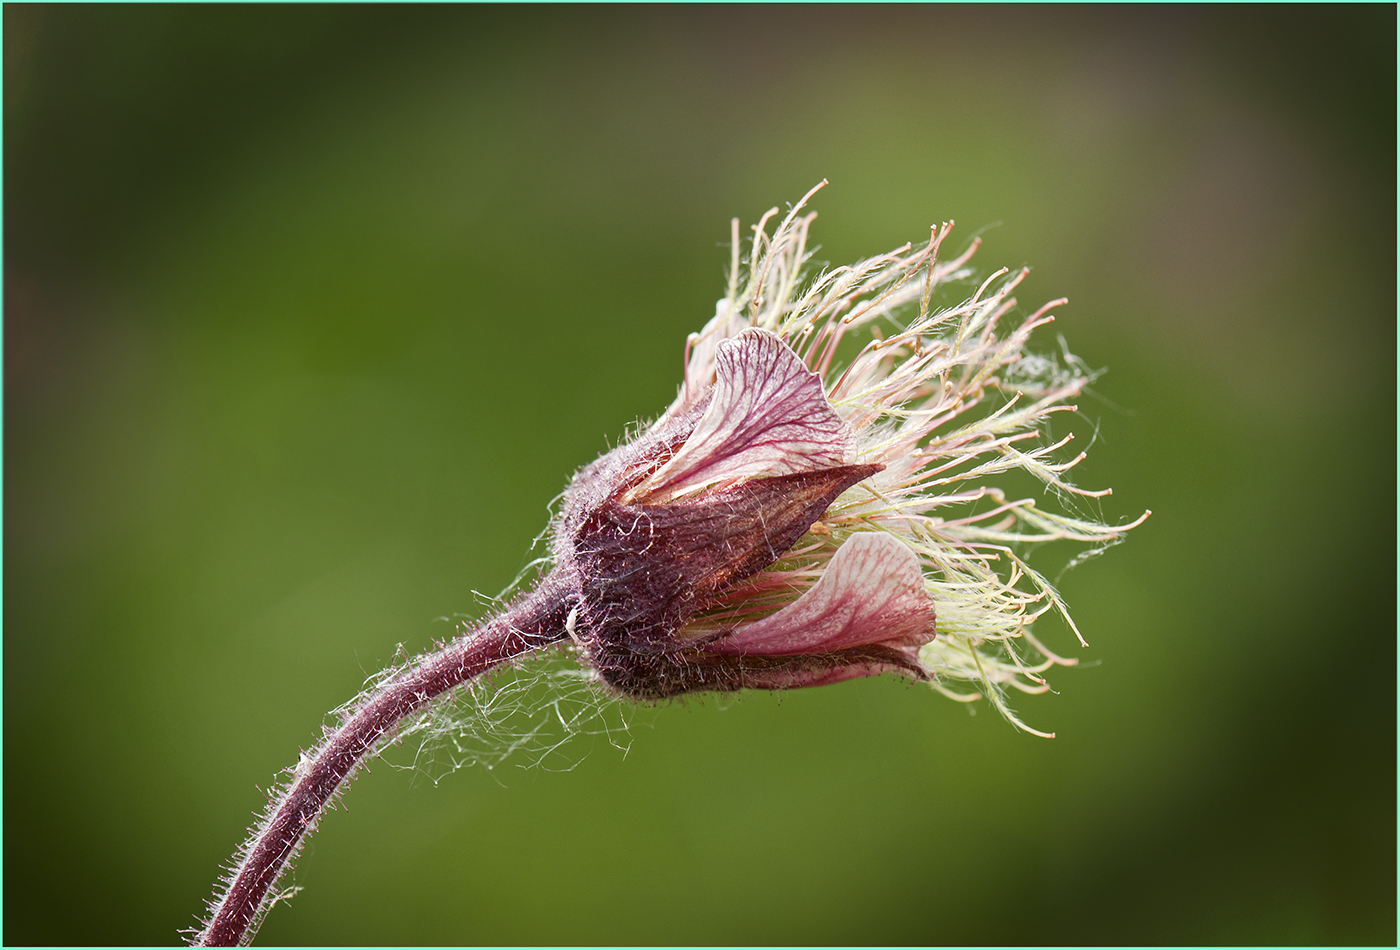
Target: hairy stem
column 530, row 623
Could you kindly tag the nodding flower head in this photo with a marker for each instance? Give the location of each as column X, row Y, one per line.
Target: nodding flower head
column 811, row 509
column 819, row 503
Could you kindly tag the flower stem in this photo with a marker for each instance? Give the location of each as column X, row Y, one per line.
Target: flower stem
column 530, row 623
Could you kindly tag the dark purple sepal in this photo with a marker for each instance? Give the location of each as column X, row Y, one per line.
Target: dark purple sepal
column 646, row 569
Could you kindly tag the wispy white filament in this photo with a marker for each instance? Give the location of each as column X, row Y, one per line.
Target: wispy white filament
column 947, row 399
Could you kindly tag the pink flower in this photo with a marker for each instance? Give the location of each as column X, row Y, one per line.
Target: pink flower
column 802, row 514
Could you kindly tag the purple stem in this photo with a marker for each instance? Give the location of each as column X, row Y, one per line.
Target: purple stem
column 532, row 622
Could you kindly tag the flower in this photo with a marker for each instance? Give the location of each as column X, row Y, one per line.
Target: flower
column 798, row 517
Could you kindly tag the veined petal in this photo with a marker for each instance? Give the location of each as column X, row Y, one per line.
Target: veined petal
column 871, row 592
column 768, row 416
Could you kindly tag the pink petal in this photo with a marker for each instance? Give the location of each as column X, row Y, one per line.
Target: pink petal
column 768, row 416
column 871, row 592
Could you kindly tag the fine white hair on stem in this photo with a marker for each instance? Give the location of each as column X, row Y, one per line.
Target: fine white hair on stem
column 949, row 400
column 529, row 713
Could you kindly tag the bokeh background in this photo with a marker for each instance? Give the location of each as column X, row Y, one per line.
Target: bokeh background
column 310, row 311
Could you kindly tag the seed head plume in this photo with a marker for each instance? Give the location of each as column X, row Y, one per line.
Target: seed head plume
column 946, row 399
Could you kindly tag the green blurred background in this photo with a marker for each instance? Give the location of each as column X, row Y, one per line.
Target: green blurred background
column 310, row 311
